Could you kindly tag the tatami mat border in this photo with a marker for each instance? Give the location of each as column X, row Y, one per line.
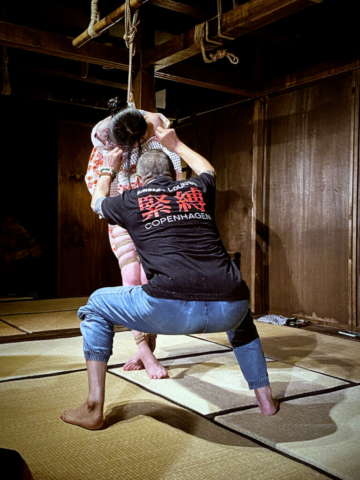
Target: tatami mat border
column 210, row 418
column 116, row 365
column 314, row 371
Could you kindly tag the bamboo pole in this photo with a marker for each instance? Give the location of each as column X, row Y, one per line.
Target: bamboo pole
column 107, row 22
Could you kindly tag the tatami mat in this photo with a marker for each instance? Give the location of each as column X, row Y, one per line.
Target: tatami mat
column 212, row 383
column 334, row 356
column 139, row 440
column 66, row 354
column 38, row 306
column 323, row 430
column 8, row 331
column 45, row 322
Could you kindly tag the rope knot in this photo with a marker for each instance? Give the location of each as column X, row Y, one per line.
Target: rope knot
column 199, row 40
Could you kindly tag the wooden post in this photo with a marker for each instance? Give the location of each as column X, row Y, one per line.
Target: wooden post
column 144, row 82
column 256, row 303
column 354, row 304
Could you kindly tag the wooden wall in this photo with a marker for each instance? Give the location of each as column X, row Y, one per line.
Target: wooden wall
column 85, row 259
column 309, row 155
column 287, row 196
column 225, row 138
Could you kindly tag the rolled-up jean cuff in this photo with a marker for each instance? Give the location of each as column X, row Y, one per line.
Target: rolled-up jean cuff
column 96, row 356
column 261, row 382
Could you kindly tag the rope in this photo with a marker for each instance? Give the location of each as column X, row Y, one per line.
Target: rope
column 199, row 40
column 6, row 86
column 129, row 37
column 95, row 17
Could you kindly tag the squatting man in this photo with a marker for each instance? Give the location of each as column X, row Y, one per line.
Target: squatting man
column 193, row 286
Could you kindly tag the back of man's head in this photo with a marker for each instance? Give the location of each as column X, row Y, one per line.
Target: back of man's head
column 153, row 164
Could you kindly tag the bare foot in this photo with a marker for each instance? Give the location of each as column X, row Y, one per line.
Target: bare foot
column 154, row 369
column 134, row 363
column 88, row 415
column 264, row 399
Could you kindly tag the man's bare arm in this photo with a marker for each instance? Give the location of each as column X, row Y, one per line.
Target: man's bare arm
column 168, row 138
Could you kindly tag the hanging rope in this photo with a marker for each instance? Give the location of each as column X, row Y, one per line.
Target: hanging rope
column 6, row 86
column 202, row 41
column 199, row 40
column 95, row 17
column 129, row 37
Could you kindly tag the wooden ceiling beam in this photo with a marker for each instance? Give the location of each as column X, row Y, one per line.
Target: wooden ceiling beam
column 213, row 80
column 182, row 8
column 69, row 75
column 247, row 18
column 203, row 14
column 60, row 98
column 106, row 22
column 33, row 40
column 312, row 74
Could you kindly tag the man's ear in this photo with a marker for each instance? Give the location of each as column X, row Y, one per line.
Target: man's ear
column 139, row 181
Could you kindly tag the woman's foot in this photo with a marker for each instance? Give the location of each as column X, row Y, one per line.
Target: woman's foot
column 145, row 358
column 134, row 363
column 88, row 415
column 153, row 367
column 264, row 399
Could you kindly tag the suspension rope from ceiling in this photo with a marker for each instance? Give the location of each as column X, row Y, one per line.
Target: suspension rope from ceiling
column 129, row 37
column 95, row 17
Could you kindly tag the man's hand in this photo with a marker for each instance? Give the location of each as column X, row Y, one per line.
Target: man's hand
column 113, row 159
column 168, row 138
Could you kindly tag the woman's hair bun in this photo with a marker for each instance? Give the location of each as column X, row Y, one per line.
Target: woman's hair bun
column 116, row 104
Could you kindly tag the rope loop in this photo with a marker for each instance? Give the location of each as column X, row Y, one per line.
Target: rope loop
column 199, row 40
column 95, row 18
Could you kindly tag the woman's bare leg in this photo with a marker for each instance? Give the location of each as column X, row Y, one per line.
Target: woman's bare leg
column 133, row 275
column 90, row 414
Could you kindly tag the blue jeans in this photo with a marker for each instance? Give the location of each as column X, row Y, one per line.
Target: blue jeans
column 133, row 308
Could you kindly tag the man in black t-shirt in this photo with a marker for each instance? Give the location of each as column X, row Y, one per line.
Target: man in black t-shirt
column 193, row 286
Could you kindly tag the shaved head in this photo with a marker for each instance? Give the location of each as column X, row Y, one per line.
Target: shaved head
column 153, row 164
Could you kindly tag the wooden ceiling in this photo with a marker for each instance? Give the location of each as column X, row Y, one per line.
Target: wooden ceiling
column 280, row 44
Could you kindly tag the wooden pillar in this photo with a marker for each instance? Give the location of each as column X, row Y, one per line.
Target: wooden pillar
column 144, row 81
column 259, row 66
column 354, row 209
column 257, row 224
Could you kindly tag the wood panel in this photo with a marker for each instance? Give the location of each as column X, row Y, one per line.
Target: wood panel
column 225, row 138
column 85, row 259
column 309, row 155
column 258, row 233
column 355, row 324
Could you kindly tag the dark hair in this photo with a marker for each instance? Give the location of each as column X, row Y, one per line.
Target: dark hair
column 126, row 128
column 154, row 163
column 116, row 104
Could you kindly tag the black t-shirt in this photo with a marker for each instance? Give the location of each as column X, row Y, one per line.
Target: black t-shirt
column 172, row 226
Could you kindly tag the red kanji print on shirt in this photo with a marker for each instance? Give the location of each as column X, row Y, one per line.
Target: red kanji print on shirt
column 191, row 198
column 154, row 204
